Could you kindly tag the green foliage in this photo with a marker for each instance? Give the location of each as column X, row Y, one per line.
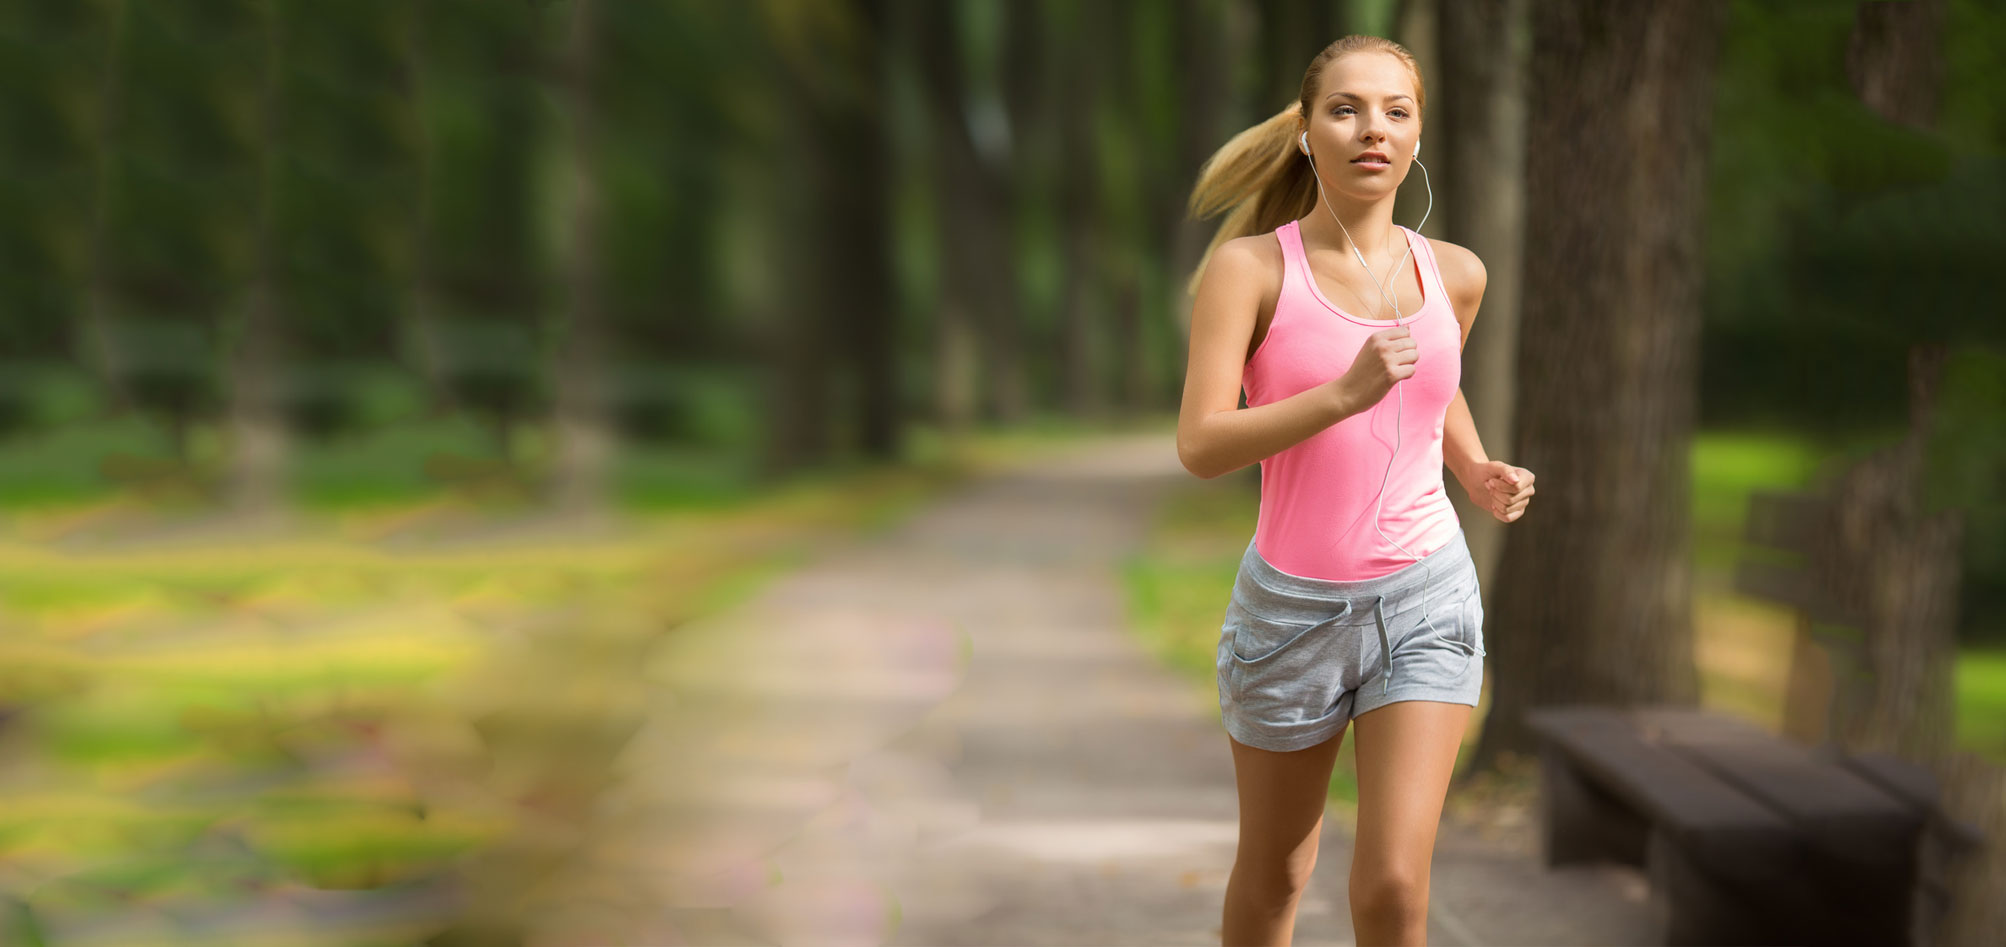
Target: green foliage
column 1837, row 238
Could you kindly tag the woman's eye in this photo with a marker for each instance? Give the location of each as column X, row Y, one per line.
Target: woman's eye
column 1340, row 110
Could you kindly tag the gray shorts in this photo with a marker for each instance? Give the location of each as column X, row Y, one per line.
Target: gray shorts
column 1299, row 657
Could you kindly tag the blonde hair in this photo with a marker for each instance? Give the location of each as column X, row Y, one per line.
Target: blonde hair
column 1258, row 176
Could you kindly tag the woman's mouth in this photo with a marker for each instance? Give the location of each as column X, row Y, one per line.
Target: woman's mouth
column 1372, row 161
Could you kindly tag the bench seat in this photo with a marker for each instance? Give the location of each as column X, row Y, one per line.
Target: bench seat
column 1746, row 837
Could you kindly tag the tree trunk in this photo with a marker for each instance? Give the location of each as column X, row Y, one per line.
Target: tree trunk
column 856, row 240
column 1203, row 95
column 1081, row 217
column 1893, row 61
column 797, row 333
column 1124, row 208
column 1900, row 575
column 835, row 347
column 1477, row 141
column 976, row 215
column 1591, row 601
column 1291, row 33
column 584, row 435
column 256, row 477
column 96, row 344
column 1902, row 564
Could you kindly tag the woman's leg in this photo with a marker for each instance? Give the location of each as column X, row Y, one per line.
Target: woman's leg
column 1281, row 811
column 1406, row 753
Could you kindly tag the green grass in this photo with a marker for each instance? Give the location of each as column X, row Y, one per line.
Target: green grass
column 414, row 459
column 326, row 713
column 1726, row 467
column 1981, row 700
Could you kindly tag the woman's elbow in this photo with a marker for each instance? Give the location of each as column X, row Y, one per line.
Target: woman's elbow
column 1194, row 459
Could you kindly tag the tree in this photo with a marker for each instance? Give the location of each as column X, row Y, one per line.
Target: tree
column 1903, row 559
column 838, row 314
column 979, row 274
column 582, row 417
column 1592, row 598
column 257, row 428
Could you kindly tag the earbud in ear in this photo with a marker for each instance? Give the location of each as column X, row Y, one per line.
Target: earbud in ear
column 1417, row 147
column 1305, row 142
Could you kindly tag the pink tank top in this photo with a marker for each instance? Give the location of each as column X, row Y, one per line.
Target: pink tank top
column 1318, row 497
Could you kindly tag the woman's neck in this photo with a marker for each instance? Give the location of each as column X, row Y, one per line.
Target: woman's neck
column 1370, row 225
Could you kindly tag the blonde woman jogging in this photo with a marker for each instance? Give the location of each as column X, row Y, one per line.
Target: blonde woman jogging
column 1356, row 602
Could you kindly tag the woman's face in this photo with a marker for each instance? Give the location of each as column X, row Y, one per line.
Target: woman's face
column 1366, row 103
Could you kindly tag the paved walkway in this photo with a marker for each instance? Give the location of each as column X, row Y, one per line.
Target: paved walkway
column 943, row 734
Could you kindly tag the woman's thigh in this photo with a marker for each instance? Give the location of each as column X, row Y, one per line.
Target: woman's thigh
column 1282, row 797
column 1406, row 754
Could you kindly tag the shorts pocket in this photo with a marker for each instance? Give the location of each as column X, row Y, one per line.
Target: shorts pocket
column 1472, row 625
column 1258, row 637
column 1265, row 656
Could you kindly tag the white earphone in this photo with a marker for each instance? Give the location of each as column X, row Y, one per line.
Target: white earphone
column 1379, row 503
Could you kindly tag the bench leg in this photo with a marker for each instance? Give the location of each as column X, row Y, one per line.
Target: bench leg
column 1694, row 907
column 1582, row 822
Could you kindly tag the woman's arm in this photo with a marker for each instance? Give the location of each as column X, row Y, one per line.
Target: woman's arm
column 1462, row 450
column 1463, row 275
column 1214, row 435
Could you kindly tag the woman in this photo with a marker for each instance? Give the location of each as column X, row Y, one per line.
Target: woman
column 1356, row 600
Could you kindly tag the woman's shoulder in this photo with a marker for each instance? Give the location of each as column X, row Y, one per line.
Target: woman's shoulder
column 1463, row 274
column 1252, row 253
column 1255, row 258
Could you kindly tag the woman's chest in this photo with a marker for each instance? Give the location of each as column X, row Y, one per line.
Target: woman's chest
column 1306, row 347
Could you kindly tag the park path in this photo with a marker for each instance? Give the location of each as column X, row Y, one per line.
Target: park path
column 942, row 733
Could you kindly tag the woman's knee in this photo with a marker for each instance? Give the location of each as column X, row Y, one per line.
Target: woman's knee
column 1392, row 897
column 1274, row 875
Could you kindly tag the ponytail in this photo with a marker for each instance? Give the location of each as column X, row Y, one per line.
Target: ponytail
column 1260, row 176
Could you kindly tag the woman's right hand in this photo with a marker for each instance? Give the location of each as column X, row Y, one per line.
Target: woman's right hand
column 1386, row 357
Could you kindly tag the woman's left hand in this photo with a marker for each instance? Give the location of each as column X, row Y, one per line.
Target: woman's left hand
column 1501, row 488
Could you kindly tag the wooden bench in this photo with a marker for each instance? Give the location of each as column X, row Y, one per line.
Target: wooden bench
column 1746, row 837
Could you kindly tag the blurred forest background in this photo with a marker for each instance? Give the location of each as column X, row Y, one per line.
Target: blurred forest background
column 266, row 253
column 381, row 258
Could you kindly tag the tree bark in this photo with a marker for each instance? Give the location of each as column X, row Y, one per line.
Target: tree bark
column 1893, row 59
column 836, row 237
column 1291, row 33
column 1902, row 565
column 1204, row 95
column 856, row 240
column 976, row 218
column 584, row 435
column 1081, row 215
column 1591, row 601
column 1899, row 573
column 96, row 342
column 256, row 477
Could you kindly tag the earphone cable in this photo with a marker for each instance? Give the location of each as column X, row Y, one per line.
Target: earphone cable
column 1401, row 405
